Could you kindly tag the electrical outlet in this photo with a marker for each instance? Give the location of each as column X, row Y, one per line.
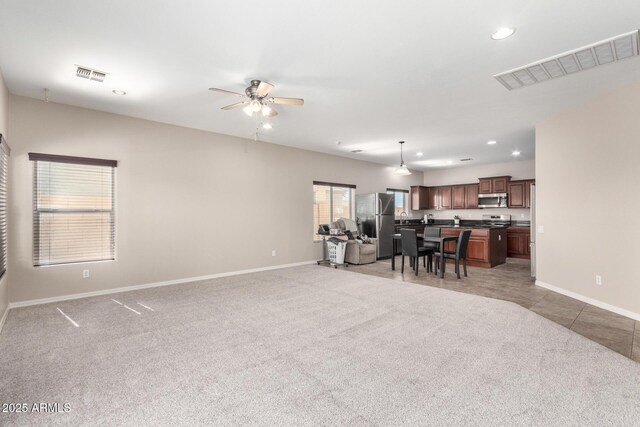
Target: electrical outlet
column 522, row 216
column 85, row 274
column 273, row 252
column 541, row 229
column 499, row 236
column 598, row 280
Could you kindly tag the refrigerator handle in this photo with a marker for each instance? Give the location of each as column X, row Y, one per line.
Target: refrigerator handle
column 379, row 206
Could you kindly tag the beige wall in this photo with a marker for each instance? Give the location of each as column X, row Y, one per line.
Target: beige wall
column 190, row 203
column 524, row 169
column 587, row 178
column 4, row 110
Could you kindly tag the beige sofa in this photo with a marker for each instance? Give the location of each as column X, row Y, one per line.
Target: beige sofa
column 356, row 251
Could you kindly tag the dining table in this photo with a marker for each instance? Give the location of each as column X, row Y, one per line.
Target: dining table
column 440, row 240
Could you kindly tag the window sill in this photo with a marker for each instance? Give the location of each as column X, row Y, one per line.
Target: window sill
column 75, row 263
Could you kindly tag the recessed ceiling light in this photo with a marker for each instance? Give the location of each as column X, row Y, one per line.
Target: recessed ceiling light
column 267, row 126
column 503, row 33
column 515, row 153
column 492, row 142
column 119, row 92
column 419, row 154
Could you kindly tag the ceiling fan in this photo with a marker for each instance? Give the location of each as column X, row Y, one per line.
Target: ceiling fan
column 255, row 99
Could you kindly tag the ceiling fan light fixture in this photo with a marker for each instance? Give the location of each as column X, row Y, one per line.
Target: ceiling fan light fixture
column 402, row 169
column 248, row 110
column 266, row 110
column 255, row 106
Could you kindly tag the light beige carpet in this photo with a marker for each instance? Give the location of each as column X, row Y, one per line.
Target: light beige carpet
column 308, row 346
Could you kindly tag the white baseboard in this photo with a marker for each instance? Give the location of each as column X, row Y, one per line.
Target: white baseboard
column 150, row 285
column 4, row 317
column 600, row 304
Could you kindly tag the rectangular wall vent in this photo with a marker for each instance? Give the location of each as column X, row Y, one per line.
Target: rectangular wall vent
column 586, row 57
column 88, row 73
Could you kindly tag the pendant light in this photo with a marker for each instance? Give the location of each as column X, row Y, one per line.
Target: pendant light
column 402, row 169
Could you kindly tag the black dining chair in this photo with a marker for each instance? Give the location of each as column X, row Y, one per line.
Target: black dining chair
column 459, row 255
column 411, row 249
column 432, row 232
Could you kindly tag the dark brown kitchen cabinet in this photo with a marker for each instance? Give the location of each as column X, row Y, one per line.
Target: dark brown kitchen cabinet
column 445, row 197
column 500, row 185
column 496, row 184
column 458, row 199
column 516, row 197
column 520, row 193
column 433, row 198
column 419, row 198
column 471, row 196
column 518, row 241
column 485, row 186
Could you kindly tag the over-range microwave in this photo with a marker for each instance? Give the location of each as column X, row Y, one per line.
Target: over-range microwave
column 497, row 200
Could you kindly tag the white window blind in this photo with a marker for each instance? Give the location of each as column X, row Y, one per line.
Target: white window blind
column 73, row 209
column 4, row 168
column 330, row 202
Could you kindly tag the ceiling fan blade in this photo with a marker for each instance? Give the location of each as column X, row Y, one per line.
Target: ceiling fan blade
column 236, row 105
column 226, row 92
column 287, row 101
column 263, row 89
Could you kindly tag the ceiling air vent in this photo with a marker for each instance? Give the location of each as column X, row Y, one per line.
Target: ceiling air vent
column 88, row 73
column 357, row 151
column 600, row 53
column 468, row 159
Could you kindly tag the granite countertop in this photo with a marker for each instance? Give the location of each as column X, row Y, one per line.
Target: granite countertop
column 468, row 224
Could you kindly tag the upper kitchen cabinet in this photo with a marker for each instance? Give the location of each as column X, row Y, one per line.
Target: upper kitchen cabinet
column 419, row 198
column 445, row 197
column 471, row 196
column 433, row 198
column 516, row 194
column 496, row 184
column 520, row 193
column 439, row 198
column 458, row 199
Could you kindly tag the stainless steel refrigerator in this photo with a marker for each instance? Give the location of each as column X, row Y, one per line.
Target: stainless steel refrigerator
column 376, row 217
column 532, row 244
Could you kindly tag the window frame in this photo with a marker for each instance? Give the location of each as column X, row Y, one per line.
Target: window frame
column 4, row 205
column 352, row 202
column 87, row 161
column 406, row 197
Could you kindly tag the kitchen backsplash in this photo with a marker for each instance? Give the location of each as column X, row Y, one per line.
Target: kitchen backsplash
column 516, row 214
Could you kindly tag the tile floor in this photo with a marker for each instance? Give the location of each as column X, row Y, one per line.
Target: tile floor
column 512, row 282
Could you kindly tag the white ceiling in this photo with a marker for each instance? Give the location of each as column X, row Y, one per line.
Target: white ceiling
column 371, row 72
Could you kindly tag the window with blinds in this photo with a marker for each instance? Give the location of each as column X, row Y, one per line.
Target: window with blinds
column 401, row 199
column 73, row 209
column 4, row 176
column 330, row 202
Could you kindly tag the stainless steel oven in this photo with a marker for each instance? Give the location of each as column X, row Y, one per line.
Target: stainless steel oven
column 497, row 200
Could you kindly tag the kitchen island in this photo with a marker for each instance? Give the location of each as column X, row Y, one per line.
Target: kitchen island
column 487, row 245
